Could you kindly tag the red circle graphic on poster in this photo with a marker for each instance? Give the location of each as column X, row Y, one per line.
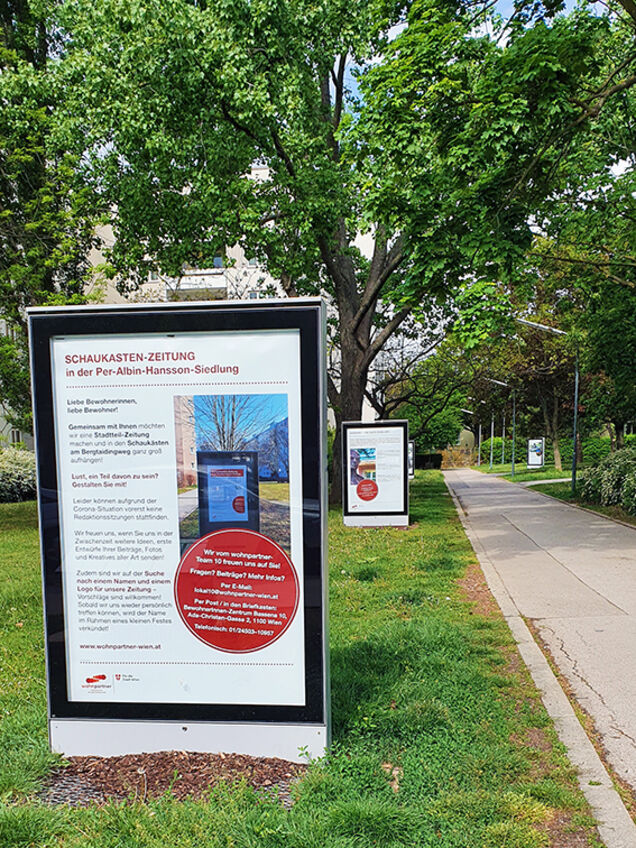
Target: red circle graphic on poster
column 367, row 490
column 236, row 590
column 238, row 504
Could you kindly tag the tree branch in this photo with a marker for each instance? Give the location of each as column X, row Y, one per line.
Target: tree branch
column 338, row 81
column 283, row 153
column 391, row 263
column 240, row 127
column 602, row 98
column 325, row 98
column 332, row 393
column 385, row 333
column 603, row 265
column 630, row 8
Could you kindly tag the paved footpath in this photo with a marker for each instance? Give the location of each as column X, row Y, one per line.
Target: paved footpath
column 573, row 574
column 188, row 502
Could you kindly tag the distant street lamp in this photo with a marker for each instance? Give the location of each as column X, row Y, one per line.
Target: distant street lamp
column 479, row 436
column 556, row 332
column 503, row 432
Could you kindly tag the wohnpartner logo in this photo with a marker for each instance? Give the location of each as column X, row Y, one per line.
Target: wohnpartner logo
column 97, row 683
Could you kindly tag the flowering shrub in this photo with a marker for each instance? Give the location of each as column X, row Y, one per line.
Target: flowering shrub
column 17, row 475
column 615, row 470
column 590, row 483
column 628, row 498
column 612, row 481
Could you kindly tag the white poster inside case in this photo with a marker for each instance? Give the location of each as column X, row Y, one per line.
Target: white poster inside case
column 536, row 453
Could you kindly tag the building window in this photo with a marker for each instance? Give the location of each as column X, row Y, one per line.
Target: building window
column 253, row 295
column 218, row 261
column 16, row 437
column 153, row 276
column 253, row 262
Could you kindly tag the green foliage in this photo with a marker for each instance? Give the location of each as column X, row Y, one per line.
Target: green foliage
column 468, row 150
column 520, row 450
column 17, row 475
column 46, row 217
column 456, row 140
column 439, row 431
column 485, row 312
column 431, row 396
column 628, row 492
column 331, row 437
column 611, row 353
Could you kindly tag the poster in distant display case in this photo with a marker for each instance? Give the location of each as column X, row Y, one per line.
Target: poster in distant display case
column 375, row 473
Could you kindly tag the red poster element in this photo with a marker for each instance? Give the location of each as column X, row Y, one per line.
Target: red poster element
column 226, row 472
column 236, row 590
column 367, row 490
column 238, row 504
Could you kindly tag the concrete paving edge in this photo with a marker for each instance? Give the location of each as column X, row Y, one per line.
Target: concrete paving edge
column 615, row 826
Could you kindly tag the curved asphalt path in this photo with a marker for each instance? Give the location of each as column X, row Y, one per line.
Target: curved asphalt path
column 572, row 573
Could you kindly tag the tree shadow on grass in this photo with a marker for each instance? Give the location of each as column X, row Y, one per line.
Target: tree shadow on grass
column 361, row 673
column 274, row 523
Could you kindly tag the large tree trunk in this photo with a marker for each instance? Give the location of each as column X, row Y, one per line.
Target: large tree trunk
column 360, row 338
column 557, row 453
column 551, row 424
column 555, row 434
column 347, row 406
column 620, row 434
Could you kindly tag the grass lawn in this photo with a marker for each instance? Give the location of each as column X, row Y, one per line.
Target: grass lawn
column 273, row 491
column 563, row 491
column 521, row 472
column 440, row 739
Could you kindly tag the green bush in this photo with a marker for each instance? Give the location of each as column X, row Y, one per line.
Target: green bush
column 17, row 475
column 615, row 470
column 595, row 448
column 612, row 481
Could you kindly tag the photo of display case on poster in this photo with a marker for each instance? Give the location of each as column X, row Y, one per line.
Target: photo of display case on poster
column 536, row 453
column 375, row 473
column 180, row 489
